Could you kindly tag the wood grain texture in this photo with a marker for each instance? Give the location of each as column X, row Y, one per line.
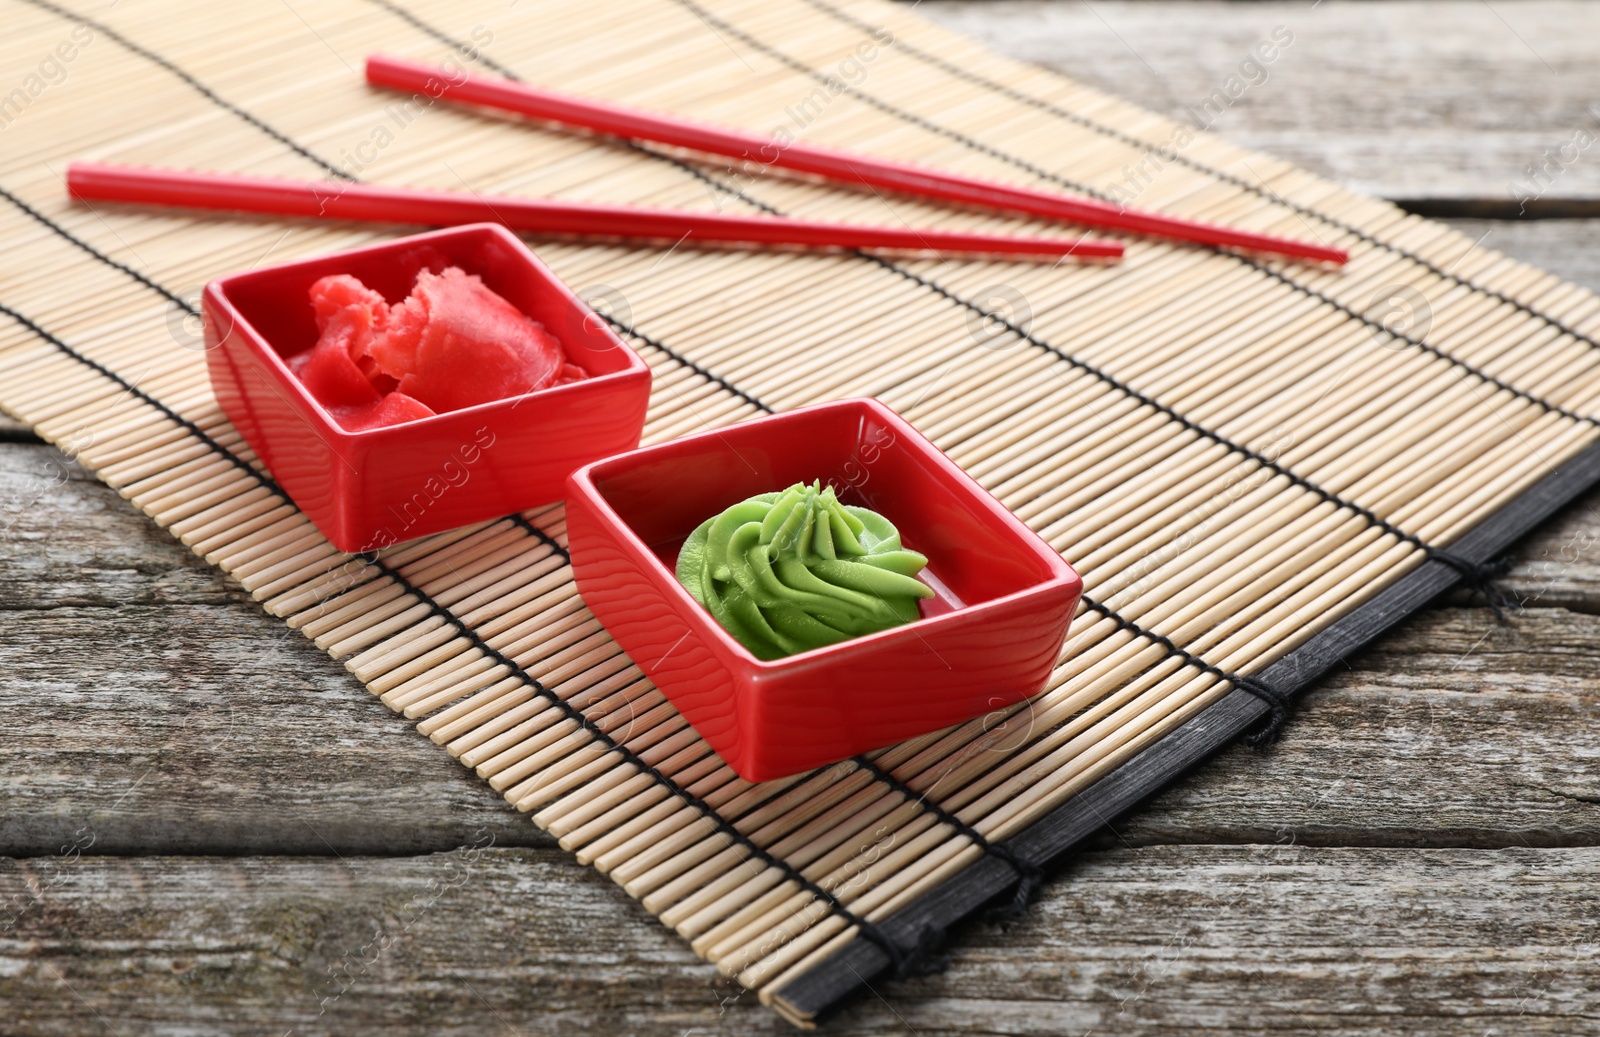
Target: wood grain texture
column 1380, row 756
column 148, row 698
column 1171, row 939
column 199, row 674
column 1456, row 730
column 1416, row 99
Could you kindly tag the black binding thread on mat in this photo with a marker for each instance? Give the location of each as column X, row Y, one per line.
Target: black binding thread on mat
column 442, row 37
column 918, row 959
column 133, row 390
column 684, row 361
column 205, row 91
column 1278, row 702
column 904, row 962
column 1029, row 875
column 1178, row 158
column 1479, row 579
column 914, row 961
column 50, row 225
column 979, row 146
column 549, row 541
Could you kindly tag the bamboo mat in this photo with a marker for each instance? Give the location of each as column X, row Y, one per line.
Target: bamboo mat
column 1254, row 465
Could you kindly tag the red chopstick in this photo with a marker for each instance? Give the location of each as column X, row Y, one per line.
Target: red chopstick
column 902, row 177
column 345, row 201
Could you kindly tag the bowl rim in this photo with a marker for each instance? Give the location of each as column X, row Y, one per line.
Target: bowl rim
column 216, row 294
column 1063, row 578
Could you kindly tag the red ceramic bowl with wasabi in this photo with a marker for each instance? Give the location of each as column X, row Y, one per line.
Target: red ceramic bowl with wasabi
column 368, row 489
column 987, row 639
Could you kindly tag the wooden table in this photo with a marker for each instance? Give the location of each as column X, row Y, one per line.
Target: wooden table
column 189, row 848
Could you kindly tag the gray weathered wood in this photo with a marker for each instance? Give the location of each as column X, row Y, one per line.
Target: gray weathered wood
column 67, row 539
column 1379, row 756
column 1417, row 99
column 202, row 729
column 1169, row 939
column 172, row 692
column 1455, row 730
column 145, row 695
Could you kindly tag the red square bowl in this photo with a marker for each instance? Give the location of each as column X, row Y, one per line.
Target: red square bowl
column 988, row 638
column 368, row 489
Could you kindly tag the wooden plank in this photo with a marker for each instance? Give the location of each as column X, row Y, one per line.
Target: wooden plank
column 68, row 539
column 150, row 699
column 1455, row 730
column 1290, row 940
column 1169, row 939
column 210, row 729
column 1420, row 99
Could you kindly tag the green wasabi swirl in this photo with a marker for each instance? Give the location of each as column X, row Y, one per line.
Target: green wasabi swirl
column 794, row 570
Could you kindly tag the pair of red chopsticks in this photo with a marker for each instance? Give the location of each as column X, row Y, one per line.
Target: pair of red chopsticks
column 352, row 201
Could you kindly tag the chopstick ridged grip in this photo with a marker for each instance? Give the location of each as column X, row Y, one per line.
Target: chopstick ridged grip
column 849, row 167
column 332, row 200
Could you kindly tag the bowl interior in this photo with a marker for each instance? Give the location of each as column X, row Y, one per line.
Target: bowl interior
column 974, row 556
column 276, row 302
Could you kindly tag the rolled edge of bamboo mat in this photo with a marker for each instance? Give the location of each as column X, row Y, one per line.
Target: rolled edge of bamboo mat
column 1049, row 840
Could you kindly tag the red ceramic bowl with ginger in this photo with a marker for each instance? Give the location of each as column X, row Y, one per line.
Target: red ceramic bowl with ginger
column 368, row 489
